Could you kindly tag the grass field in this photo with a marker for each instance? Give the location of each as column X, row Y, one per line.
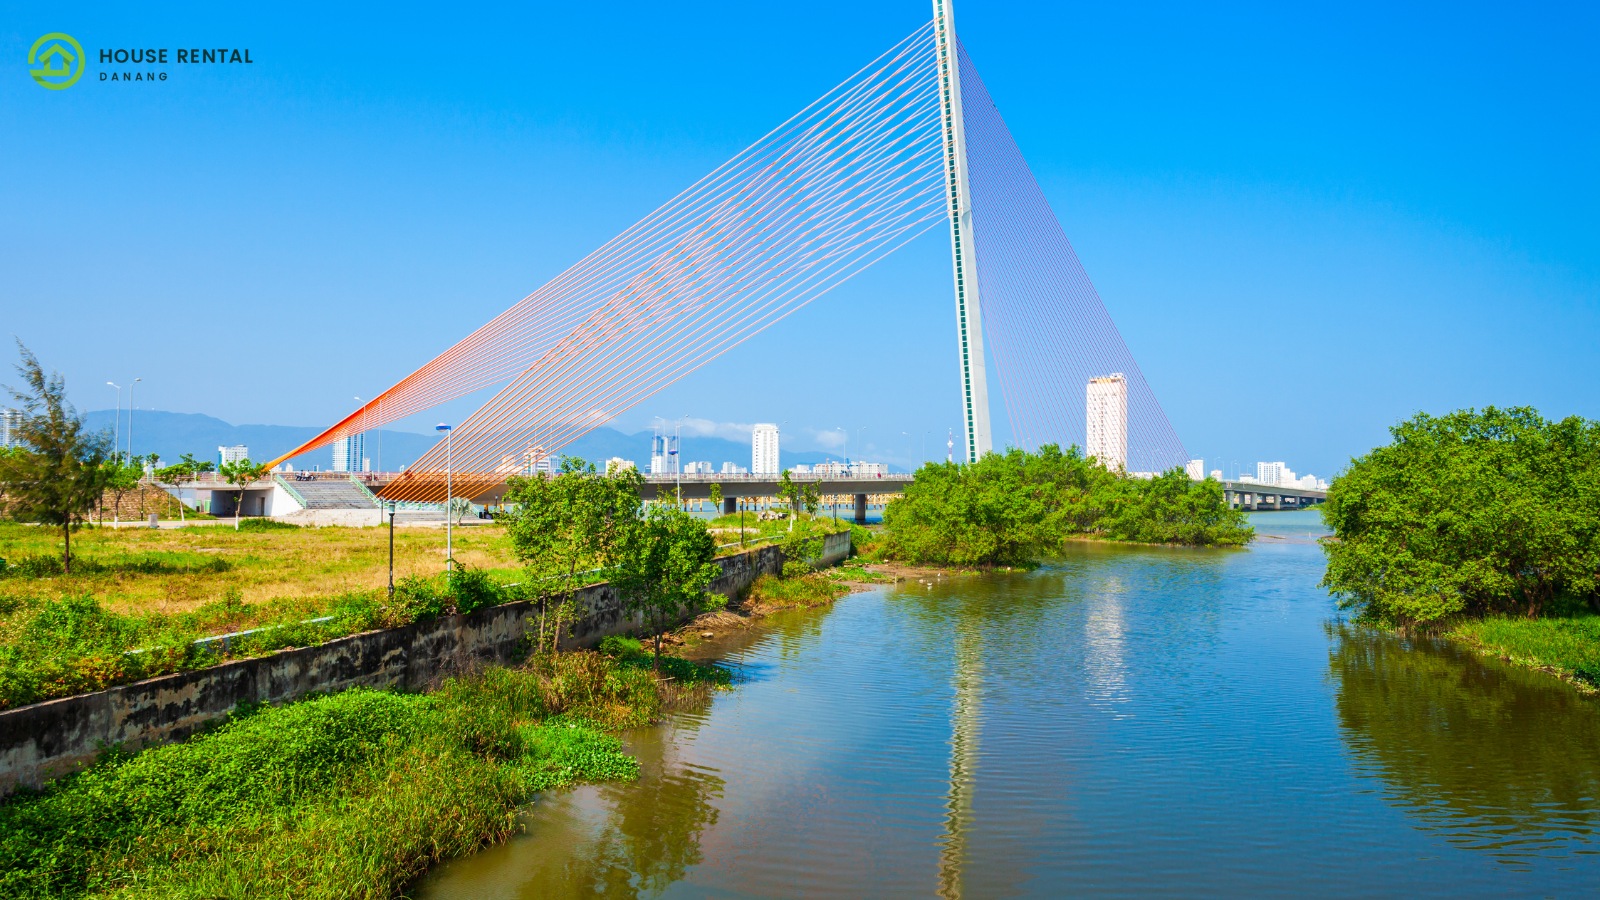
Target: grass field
column 139, row 570
column 348, row 795
column 1568, row 646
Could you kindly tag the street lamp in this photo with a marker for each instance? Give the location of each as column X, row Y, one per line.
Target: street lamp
column 116, row 428
column 449, row 547
column 130, row 419
column 359, row 466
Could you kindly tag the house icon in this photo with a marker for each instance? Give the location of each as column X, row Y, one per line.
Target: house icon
column 58, row 61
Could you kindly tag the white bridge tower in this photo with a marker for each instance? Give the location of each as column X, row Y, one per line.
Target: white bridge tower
column 969, row 315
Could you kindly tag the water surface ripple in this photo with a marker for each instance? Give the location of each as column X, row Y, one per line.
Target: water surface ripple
column 1123, row 722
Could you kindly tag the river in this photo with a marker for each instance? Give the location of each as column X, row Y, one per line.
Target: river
column 1123, row 722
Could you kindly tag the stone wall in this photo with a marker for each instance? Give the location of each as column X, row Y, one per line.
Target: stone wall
column 49, row 739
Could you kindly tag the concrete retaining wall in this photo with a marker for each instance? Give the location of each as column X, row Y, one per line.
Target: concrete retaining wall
column 46, row 740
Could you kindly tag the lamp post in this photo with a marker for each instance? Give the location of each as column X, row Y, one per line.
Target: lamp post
column 130, row 419
column 359, row 466
column 392, row 505
column 449, row 547
column 116, row 427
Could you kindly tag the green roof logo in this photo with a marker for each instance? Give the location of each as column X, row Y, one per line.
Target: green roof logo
column 56, row 61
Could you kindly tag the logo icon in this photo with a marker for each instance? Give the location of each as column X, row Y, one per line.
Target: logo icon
column 57, row 60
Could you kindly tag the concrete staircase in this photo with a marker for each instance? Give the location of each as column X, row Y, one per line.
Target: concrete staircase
column 341, row 494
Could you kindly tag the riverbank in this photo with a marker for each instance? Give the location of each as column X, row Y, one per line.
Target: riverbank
column 1566, row 647
column 771, row 594
column 348, row 795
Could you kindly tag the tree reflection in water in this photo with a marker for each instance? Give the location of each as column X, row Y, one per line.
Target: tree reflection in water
column 1495, row 759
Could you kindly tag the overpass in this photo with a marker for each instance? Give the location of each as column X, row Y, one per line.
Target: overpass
column 737, row 487
column 1260, row 497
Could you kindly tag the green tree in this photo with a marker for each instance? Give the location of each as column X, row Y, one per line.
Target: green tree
column 121, row 476
column 665, row 565
column 1468, row 513
column 241, row 474
column 716, row 498
column 811, row 498
column 1017, row 507
column 566, row 524
column 181, row 473
column 59, row 474
column 790, row 492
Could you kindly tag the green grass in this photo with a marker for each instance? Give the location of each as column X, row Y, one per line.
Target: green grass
column 770, row 593
column 139, row 570
column 349, row 795
column 1569, row 646
column 59, row 647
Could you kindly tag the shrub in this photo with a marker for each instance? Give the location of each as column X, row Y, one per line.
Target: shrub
column 1471, row 513
column 1016, row 507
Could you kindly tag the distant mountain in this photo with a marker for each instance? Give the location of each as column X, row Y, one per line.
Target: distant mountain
column 170, row 435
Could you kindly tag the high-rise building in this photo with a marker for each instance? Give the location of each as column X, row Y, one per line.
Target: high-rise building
column 729, row 468
column 618, row 464
column 663, row 453
column 764, row 450
column 697, row 468
column 236, row 453
column 1196, row 469
column 1107, row 430
column 350, row 454
column 1277, row 474
column 10, row 423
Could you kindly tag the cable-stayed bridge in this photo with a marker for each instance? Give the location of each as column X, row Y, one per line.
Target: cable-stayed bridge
column 910, row 143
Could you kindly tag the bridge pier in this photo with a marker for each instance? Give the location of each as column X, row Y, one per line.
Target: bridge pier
column 730, row 505
column 861, row 509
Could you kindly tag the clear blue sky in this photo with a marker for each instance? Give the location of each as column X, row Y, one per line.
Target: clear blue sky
column 1309, row 222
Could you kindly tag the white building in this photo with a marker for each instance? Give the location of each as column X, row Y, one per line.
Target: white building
column 800, row 469
column 10, row 422
column 764, row 450
column 236, row 453
column 868, row 469
column 1107, row 430
column 729, row 468
column 618, row 464
column 1216, row 474
column 1195, row 469
column 350, row 454
column 663, row 453
column 697, row 468
column 830, row 469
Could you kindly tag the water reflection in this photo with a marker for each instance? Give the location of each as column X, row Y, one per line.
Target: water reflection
column 626, row 840
column 968, row 682
column 1494, row 759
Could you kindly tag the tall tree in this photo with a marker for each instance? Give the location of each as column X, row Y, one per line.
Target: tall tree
column 664, row 568
column 59, row 475
column 241, row 475
column 563, row 525
column 121, row 477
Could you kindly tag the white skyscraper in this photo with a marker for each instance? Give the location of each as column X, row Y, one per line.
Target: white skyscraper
column 663, row 453
column 764, row 450
column 1196, row 469
column 1108, row 421
column 10, row 420
column 350, row 454
column 236, row 453
column 1274, row 473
